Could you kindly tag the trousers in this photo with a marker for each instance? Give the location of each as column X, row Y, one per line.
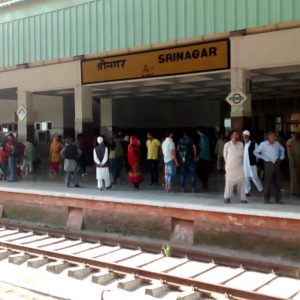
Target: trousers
column 228, row 193
column 272, row 178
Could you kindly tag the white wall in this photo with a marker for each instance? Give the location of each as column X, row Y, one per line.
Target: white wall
column 266, row 50
column 7, row 109
column 43, row 78
column 148, row 113
column 48, row 108
column 45, row 108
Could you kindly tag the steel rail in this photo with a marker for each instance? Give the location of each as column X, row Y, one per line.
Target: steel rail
column 177, row 251
column 200, row 286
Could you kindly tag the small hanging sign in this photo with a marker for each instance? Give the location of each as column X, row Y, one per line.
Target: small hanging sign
column 21, row 112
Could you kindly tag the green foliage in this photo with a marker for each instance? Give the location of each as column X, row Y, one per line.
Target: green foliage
column 166, row 250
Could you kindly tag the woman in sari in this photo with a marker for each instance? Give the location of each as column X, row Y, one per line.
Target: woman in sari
column 134, row 161
column 55, row 158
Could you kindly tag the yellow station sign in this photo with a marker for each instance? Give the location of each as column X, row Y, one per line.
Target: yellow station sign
column 172, row 61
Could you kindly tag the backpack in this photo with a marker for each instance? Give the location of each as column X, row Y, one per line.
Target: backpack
column 185, row 151
column 71, row 152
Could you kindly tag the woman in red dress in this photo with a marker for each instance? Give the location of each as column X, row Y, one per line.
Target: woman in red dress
column 134, row 161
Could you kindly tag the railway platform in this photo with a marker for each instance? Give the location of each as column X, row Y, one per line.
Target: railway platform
column 43, row 183
column 184, row 218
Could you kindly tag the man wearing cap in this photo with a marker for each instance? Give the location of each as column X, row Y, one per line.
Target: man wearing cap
column 250, row 164
column 100, row 155
column 272, row 153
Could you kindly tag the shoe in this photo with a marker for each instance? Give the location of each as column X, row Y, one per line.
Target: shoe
column 248, row 195
column 267, row 201
column 193, row 190
column 227, row 201
column 279, row 202
column 109, row 187
column 244, row 201
column 77, row 185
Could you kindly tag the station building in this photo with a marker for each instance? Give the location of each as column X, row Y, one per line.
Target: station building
column 72, row 66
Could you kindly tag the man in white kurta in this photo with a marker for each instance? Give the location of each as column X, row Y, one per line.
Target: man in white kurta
column 233, row 156
column 250, row 164
column 100, row 154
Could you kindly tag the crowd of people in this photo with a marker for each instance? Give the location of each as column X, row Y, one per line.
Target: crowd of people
column 240, row 159
column 17, row 156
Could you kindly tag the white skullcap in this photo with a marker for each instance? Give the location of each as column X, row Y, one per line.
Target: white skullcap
column 100, row 139
column 246, row 132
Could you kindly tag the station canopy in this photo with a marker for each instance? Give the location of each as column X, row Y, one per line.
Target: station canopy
column 267, row 84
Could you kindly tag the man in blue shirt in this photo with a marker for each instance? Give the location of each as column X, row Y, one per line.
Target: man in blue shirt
column 272, row 153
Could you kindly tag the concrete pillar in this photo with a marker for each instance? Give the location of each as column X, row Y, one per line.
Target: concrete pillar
column 241, row 115
column 83, row 110
column 106, row 116
column 26, row 124
column 84, row 118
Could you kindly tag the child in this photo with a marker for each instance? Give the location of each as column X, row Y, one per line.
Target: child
column 3, row 162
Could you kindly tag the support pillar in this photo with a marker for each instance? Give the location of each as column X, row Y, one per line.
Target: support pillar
column 83, row 110
column 25, row 125
column 106, row 117
column 241, row 114
column 84, row 118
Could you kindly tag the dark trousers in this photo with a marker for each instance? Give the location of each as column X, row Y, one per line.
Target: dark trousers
column 188, row 169
column 116, row 168
column 3, row 171
column 203, row 171
column 11, row 169
column 272, row 177
column 153, row 166
column 81, row 164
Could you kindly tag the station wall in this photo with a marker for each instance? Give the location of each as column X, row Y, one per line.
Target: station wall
column 43, row 78
column 146, row 113
column 45, row 108
column 7, row 109
column 49, row 108
column 266, row 50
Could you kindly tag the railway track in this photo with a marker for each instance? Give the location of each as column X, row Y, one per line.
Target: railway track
column 127, row 269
